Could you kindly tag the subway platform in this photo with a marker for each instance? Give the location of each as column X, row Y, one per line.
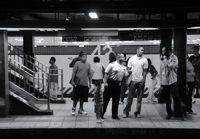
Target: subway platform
column 62, row 125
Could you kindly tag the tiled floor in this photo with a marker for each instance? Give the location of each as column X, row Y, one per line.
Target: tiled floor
column 153, row 116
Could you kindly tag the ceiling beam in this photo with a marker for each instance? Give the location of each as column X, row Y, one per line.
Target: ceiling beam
column 103, row 6
column 102, row 24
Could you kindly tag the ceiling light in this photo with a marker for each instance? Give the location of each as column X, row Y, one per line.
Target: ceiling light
column 93, row 15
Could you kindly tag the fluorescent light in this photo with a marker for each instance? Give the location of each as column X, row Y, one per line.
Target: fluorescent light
column 93, row 15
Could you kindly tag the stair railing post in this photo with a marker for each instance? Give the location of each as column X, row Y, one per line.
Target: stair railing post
column 61, row 84
column 48, row 103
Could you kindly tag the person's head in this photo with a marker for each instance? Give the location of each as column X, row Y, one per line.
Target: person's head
column 96, row 59
column 80, row 53
column 52, row 60
column 112, row 57
column 83, row 57
column 120, row 58
column 149, row 61
column 140, row 51
column 196, row 49
column 166, row 51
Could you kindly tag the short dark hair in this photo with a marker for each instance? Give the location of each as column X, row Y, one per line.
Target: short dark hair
column 149, row 61
column 168, row 49
column 96, row 59
column 112, row 57
column 124, row 55
column 196, row 47
column 80, row 53
column 83, row 53
column 53, row 59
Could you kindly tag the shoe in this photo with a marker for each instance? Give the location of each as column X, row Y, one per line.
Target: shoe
column 73, row 111
column 115, row 117
column 121, row 102
column 193, row 101
column 101, row 120
column 139, row 116
column 169, row 116
column 183, row 118
column 102, row 116
column 192, row 113
column 125, row 115
column 148, row 101
column 81, row 111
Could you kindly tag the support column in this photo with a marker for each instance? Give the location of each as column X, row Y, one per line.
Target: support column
column 28, row 44
column 180, row 43
column 166, row 38
column 4, row 82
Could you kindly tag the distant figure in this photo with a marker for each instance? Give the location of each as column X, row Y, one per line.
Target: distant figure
column 124, row 85
column 81, row 76
column 168, row 77
column 195, row 60
column 137, row 67
column 190, row 85
column 152, row 70
column 97, row 80
column 71, row 65
column 53, row 78
column 114, row 74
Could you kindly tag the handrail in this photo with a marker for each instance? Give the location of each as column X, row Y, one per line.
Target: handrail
column 32, row 58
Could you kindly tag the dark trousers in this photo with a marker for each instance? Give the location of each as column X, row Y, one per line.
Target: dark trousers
column 173, row 90
column 132, row 89
column 189, row 96
column 124, row 88
column 112, row 90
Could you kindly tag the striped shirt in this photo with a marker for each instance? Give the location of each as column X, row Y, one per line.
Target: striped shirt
column 168, row 69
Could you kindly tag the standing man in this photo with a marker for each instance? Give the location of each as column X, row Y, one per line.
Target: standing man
column 168, row 77
column 114, row 74
column 81, row 75
column 137, row 67
column 195, row 60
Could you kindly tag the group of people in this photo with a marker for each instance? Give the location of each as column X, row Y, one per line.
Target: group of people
column 121, row 74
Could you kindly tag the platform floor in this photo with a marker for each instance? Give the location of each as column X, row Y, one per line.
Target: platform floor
column 153, row 117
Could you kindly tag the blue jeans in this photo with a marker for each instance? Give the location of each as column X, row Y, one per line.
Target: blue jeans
column 132, row 90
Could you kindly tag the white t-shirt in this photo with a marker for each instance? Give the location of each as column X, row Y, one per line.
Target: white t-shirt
column 137, row 65
column 116, row 71
column 97, row 71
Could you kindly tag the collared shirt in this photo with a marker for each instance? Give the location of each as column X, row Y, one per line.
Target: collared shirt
column 168, row 69
column 137, row 65
column 116, row 71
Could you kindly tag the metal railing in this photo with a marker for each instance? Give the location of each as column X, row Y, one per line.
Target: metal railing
column 34, row 68
column 19, row 75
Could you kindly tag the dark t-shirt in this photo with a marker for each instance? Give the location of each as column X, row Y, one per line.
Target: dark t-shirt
column 195, row 60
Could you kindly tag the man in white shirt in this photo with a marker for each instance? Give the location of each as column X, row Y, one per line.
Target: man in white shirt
column 137, row 67
column 114, row 74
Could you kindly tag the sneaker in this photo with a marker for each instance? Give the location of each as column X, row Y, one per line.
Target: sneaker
column 148, row 101
column 139, row 116
column 121, row 102
column 73, row 111
column 169, row 116
column 192, row 113
column 81, row 111
column 125, row 115
column 183, row 118
column 193, row 101
column 101, row 120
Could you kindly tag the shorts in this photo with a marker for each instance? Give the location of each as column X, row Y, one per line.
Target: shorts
column 80, row 92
